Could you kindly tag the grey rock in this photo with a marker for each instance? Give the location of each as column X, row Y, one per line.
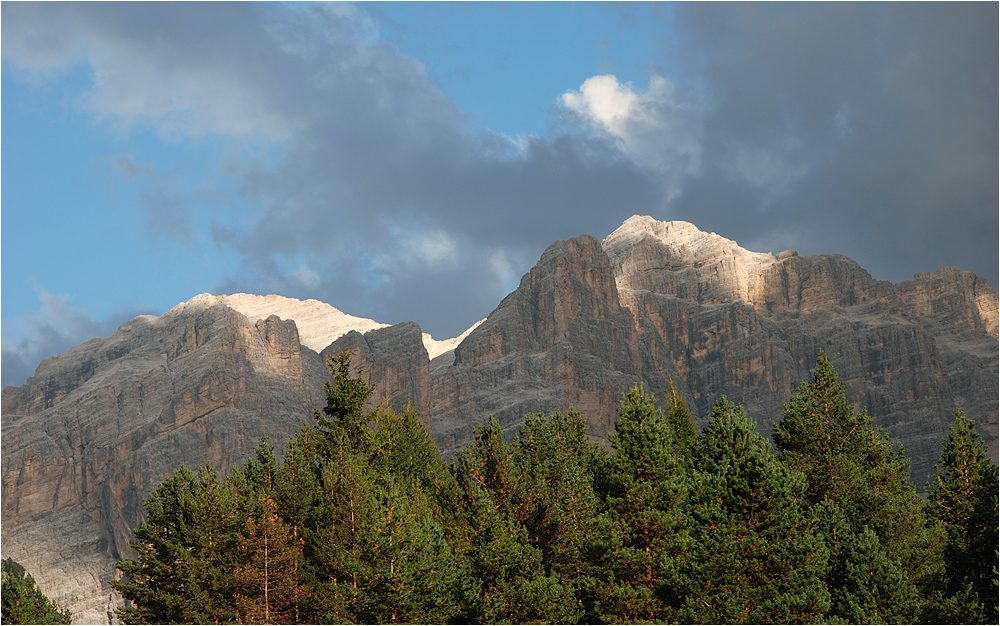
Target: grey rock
column 91, row 434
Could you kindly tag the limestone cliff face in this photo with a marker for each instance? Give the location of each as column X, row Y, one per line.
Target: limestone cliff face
column 394, row 358
column 560, row 340
column 749, row 326
column 90, row 435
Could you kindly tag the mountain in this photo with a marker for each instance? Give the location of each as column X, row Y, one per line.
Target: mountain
column 95, row 429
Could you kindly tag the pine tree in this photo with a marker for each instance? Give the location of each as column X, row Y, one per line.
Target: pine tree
column 267, row 577
column 644, row 529
column 867, row 584
column 343, row 420
column 756, row 557
column 556, row 462
column 963, row 496
column 23, row 602
column 374, row 533
column 269, row 550
column 851, row 462
column 682, row 424
column 508, row 579
column 413, row 575
column 186, row 549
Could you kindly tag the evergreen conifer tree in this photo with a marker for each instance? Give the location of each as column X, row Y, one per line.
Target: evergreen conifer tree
column 508, row 579
column 556, row 463
column 756, row 557
column 22, row 602
column 851, row 462
column 644, row 528
column 184, row 571
column 963, row 496
column 867, row 585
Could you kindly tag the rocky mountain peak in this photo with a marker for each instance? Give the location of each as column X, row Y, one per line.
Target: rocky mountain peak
column 662, row 304
column 319, row 323
column 679, row 259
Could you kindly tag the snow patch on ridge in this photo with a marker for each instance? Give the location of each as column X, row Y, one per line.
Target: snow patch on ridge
column 319, row 323
column 436, row 348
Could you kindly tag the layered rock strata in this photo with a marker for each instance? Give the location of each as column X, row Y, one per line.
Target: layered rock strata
column 749, row 326
column 561, row 340
column 90, row 435
column 95, row 429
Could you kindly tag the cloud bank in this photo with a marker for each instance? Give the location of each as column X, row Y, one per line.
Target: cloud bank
column 853, row 128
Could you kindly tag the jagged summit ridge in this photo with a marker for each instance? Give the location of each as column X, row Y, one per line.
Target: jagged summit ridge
column 688, row 246
column 668, row 257
column 319, row 323
column 662, row 304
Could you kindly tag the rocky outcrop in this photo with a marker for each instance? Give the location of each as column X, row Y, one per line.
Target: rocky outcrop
column 561, row 340
column 749, row 326
column 394, row 358
column 90, row 435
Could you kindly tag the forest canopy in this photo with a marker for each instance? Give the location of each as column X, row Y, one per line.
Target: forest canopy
column 361, row 521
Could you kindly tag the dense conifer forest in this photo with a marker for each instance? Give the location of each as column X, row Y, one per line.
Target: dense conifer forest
column 358, row 520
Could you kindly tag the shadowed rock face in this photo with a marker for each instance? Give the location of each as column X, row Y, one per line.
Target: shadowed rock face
column 560, row 340
column 97, row 428
column 395, row 359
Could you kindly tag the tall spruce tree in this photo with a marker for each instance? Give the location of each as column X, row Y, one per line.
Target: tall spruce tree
column 851, row 462
column 867, row 584
column 644, row 527
column 184, row 571
column 556, row 464
column 756, row 557
column 376, row 530
column 963, row 496
column 268, row 567
column 508, row 578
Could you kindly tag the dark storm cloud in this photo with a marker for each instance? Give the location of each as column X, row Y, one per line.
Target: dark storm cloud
column 867, row 130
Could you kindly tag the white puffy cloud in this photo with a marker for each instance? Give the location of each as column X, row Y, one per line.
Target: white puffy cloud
column 606, row 103
column 659, row 129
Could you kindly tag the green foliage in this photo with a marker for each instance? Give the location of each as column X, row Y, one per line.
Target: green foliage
column 867, row 584
column 515, row 574
column 963, row 497
column 22, row 602
column 183, row 572
column 756, row 557
column 644, row 527
column 345, row 403
column 360, row 521
column 850, row 462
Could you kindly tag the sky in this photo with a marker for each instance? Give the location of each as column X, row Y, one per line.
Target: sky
column 411, row 161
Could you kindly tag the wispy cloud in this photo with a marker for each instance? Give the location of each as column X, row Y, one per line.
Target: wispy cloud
column 55, row 328
column 866, row 130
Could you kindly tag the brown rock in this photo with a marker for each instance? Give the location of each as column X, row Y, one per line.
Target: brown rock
column 95, row 429
column 90, row 435
column 395, row 360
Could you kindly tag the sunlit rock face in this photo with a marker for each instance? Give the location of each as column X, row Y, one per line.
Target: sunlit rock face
column 749, row 326
column 90, row 435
